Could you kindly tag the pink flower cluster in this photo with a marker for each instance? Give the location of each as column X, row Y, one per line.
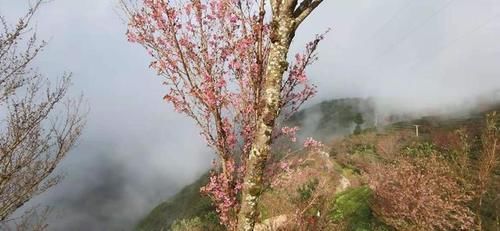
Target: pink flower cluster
column 223, row 188
column 290, row 132
column 313, row 144
column 296, row 88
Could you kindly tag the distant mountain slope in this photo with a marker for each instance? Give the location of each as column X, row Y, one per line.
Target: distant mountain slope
column 333, row 117
column 187, row 203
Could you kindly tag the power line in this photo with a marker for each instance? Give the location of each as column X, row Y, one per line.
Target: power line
column 380, row 28
column 457, row 39
column 391, row 19
column 404, row 38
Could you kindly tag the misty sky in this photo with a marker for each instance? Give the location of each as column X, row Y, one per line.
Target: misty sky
column 136, row 151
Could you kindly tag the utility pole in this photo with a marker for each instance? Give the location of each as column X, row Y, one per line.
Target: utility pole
column 416, row 129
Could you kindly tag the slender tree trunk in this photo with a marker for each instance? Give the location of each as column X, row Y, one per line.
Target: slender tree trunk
column 287, row 16
column 282, row 35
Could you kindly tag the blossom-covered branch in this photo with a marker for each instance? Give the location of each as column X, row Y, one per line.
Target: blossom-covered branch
column 216, row 58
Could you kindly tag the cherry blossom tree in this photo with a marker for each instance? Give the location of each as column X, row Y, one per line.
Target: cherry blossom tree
column 225, row 64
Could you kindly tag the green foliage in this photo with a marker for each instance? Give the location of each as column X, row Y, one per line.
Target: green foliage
column 352, row 203
column 358, row 119
column 420, row 149
column 363, row 149
column 353, row 207
column 306, row 190
column 335, row 116
column 357, row 130
column 193, row 224
column 209, row 221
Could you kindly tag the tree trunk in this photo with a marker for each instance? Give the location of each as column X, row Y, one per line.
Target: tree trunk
column 287, row 16
column 282, row 34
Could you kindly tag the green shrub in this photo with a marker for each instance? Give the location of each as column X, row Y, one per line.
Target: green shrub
column 421, row 149
column 193, row 224
column 209, row 221
column 306, row 190
column 185, row 205
column 363, row 149
column 352, row 207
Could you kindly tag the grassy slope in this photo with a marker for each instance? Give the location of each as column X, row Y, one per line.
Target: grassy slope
column 185, row 204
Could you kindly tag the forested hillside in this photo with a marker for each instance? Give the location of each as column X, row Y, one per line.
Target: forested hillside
column 334, row 117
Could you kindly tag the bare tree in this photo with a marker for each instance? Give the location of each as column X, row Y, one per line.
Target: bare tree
column 38, row 126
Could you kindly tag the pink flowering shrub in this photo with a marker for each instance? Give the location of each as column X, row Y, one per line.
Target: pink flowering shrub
column 420, row 194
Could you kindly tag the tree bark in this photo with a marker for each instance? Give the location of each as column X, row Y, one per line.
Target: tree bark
column 287, row 16
column 270, row 105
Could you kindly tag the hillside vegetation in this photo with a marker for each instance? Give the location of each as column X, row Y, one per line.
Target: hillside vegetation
column 447, row 178
column 334, row 117
column 187, row 203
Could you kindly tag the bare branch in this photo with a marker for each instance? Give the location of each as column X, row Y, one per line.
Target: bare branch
column 37, row 128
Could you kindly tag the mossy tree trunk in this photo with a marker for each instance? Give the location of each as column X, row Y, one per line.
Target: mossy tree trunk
column 287, row 16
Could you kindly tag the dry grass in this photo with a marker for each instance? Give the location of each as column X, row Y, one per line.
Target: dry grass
column 283, row 197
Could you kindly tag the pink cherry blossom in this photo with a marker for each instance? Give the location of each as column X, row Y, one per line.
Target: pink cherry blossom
column 208, row 53
column 313, row 144
column 291, row 133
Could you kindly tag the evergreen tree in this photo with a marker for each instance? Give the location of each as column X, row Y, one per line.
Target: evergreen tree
column 358, row 119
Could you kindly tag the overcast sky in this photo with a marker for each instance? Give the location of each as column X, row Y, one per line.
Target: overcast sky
column 136, row 151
